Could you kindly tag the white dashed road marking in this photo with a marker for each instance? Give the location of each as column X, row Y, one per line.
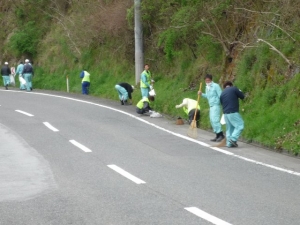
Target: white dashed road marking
column 50, row 126
column 173, row 133
column 25, row 113
column 126, row 174
column 82, row 147
column 206, row 216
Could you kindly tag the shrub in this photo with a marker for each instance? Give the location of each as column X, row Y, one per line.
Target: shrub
column 26, row 39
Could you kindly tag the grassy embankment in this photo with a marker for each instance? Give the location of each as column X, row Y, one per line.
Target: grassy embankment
column 180, row 47
column 270, row 114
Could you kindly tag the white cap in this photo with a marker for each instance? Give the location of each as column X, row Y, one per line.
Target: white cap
column 27, row 60
column 6, row 63
column 132, row 87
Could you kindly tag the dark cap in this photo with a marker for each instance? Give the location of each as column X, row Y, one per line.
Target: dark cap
column 209, row 76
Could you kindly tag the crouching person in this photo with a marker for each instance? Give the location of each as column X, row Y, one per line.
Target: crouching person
column 143, row 105
column 189, row 107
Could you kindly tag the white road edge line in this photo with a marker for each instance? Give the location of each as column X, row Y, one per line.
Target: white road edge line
column 50, row 127
column 25, row 113
column 126, row 174
column 170, row 132
column 206, row 216
column 82, row 147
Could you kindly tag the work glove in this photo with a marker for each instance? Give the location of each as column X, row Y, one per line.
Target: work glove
column 177, row 106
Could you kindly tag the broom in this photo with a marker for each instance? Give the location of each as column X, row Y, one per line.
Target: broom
column 221, row 144
column 192, row 132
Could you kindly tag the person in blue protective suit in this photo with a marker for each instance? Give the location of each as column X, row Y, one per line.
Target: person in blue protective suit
column 143, row 106
column 212, row 94
column 19, row 73
column 124, row 90
column 145, row 82
column 5, row 72
column 189, row 108
column 234, row 122
column 28, row 73
column 86, row 82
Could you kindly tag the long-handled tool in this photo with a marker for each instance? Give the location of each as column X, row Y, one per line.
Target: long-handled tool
column 192, row 132
column 221, row 144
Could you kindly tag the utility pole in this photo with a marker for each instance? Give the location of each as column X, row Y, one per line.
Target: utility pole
column 138, row 35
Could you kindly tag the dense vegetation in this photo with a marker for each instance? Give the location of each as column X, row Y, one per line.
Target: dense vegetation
column 255, row 43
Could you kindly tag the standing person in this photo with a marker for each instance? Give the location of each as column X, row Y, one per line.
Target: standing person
column 12, row 76
column 145, row 82
column 21, row 78
column 86, row 82
column 234, row 122
column 212, row 94
column 28, row 73
column 124, row 91
column 143, row 105
column 189, row 107
column 5, row 72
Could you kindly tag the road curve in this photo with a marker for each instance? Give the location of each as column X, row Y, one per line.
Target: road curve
column 72, row 159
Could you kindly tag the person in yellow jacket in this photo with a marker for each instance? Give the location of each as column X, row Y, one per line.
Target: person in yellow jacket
column 189, row 107
column 143, row 106
column 85, row 83
column 145, row 82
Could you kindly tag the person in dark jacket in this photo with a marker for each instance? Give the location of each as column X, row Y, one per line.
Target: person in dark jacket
column 5, row 72
column 143, row 105
column 234, row 122
column 28, row 73
column 124, row 90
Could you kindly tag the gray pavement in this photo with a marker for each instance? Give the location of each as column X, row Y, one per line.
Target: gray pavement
column 55, row 182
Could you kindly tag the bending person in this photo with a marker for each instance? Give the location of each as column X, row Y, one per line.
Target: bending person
column 124, row 90
column 189, row 107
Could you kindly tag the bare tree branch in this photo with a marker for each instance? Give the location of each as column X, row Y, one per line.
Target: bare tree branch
column 258, row 11
column 276, row 50
column 283, row 31
column 66, row 30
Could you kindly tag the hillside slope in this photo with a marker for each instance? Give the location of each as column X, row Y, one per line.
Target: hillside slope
column 253, row 43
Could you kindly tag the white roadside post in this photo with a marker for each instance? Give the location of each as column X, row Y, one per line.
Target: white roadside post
column 67, row 83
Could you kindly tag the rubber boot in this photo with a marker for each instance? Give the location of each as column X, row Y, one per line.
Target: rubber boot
column 220, row 136
column 215, row 139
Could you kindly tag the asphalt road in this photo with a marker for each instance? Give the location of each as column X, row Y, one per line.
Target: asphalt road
column 73, row 159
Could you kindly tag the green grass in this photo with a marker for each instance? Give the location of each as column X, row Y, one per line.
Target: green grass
column 269, row 114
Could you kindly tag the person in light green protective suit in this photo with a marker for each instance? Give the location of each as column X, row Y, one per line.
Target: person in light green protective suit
column 19, row 72
column 124, row 90
column 212, row 94
column 146, row 82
